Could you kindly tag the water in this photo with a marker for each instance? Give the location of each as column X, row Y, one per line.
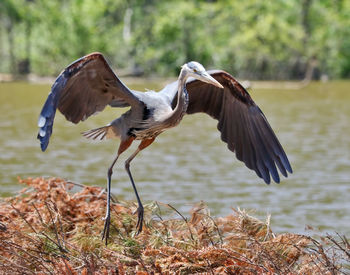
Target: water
column 189, row 163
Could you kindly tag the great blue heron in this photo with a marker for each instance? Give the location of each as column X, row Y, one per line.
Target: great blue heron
column 88, row 85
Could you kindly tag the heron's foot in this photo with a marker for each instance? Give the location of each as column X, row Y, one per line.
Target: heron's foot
column 139, row 212
column 105, row 233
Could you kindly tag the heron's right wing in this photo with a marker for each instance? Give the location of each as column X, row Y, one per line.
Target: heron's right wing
column 242, row 124
column 85, row 87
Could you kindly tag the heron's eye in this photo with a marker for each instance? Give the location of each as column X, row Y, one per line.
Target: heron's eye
column 195, row 70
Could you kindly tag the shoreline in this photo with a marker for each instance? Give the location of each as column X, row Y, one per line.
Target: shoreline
column 53, row 227
column 135, row 80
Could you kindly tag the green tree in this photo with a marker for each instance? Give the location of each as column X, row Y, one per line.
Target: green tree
column 252, row 39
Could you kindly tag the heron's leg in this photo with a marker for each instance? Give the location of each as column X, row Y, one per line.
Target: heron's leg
column 122, row 147
column 144, row 143
column 105, row 233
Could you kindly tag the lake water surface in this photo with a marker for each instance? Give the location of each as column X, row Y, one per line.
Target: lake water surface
column 189, row 163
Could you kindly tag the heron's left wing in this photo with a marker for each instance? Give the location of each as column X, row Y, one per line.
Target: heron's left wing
column 85, row 87
column 242, row 124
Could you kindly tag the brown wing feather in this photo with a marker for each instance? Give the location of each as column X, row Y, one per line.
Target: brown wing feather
column 242, row 124
column 82, row 89
column 90, row 87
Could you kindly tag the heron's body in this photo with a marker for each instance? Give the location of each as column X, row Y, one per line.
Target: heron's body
column 151, row 122
column 156, row 116
column 88, row 85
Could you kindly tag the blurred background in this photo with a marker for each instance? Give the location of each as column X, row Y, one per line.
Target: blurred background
column 252, row 39
column 294, row 54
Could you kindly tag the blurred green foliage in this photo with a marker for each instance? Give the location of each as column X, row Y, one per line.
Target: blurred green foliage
column 251, row 39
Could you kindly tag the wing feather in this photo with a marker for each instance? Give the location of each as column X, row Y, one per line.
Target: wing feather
column 84, row 88
column 242, row 124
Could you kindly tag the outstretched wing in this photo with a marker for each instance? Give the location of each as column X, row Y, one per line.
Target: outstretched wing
column 85, row 87
column 242, row 124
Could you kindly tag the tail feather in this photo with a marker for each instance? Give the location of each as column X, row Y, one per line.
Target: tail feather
column 100, row 133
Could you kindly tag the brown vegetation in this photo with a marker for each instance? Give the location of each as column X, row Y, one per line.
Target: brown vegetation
column 52, row 228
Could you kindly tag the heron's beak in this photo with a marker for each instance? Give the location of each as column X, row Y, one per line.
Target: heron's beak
column 206, row 77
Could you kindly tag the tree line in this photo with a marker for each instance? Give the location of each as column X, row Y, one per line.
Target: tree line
column 253, row 39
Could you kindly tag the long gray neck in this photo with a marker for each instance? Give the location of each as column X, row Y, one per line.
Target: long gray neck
column 182, row 100
column 181, row 93
column 182, row 96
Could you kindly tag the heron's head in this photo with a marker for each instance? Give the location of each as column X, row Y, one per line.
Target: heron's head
column 197, row 71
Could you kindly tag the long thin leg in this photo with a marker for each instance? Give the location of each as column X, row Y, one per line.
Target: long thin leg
column 105, row 233
column 122, row 147
column 143, row 145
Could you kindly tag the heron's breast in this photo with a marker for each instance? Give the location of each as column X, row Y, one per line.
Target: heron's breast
column 157, row 119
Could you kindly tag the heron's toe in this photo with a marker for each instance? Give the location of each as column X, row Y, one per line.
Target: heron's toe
column 139, row 224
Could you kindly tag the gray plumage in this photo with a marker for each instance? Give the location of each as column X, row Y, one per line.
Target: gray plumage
column 88, row 85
